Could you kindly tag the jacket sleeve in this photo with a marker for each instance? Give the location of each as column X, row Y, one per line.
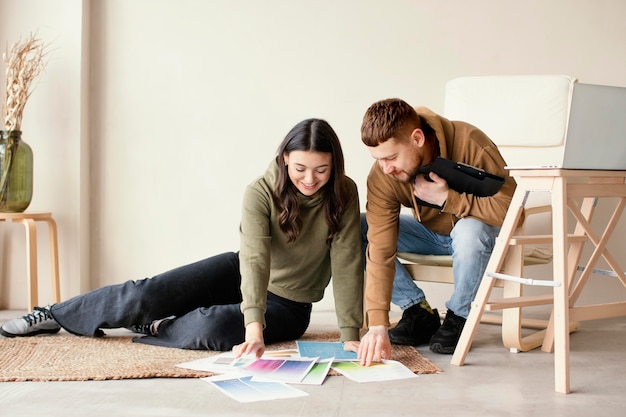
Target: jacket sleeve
column 383, row 209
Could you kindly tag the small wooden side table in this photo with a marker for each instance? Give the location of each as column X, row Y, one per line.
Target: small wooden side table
column 575, row 193
column 29, row 221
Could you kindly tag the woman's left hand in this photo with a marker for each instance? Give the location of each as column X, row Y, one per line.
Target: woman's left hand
column 351, row 346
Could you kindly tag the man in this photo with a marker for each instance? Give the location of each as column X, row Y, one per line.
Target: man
column 443, row 222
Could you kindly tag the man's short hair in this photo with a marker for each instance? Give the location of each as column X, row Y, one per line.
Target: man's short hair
column 390, row 118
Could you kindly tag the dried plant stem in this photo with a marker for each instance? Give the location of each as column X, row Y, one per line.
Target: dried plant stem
column 24, row 62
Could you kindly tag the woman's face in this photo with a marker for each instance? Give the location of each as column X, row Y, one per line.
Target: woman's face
column 309, row 171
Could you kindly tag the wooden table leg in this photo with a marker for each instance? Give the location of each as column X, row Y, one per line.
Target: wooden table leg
column 561, row 292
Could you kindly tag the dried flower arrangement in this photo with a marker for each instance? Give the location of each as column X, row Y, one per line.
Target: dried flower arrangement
column 24, row 62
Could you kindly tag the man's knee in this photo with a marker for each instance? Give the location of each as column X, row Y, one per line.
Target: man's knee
column 471, row 235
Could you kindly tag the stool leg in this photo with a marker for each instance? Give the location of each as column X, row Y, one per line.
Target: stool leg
column 31, row 261
column 561, row 292
column 54, row 260
column 494, row 265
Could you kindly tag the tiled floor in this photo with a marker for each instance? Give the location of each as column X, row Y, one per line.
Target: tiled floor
column 493, row 382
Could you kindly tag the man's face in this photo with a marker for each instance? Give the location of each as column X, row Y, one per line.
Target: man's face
column 400, row 158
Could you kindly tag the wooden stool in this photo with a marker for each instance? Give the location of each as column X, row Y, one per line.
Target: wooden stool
column 567, row 188
column 28, row 220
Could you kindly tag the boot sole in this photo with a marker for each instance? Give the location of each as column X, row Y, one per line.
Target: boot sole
column 439, row 348
column 407, row 342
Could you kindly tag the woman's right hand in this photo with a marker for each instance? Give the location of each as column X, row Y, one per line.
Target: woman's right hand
column 254, row 342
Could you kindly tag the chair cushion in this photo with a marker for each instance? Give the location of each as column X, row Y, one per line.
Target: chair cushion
column 438, row 260
column 533, row 255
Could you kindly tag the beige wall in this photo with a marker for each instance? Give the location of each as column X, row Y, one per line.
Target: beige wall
column 53, row 126
column 184, row 102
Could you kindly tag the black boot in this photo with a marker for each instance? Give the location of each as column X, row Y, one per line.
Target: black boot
column 416, row 326
column 446, row 338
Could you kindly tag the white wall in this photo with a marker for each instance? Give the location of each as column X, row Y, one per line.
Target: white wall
column 188, row 100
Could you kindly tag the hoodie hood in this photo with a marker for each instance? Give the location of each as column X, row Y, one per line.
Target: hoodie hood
column 435, row 122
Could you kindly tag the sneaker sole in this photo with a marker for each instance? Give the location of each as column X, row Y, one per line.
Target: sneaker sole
column 45, row 331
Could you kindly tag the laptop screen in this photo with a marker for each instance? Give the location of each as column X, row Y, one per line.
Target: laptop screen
column 596, row 131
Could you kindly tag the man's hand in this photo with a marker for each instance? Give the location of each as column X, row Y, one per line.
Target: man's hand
column 434, row 191
column 375, row 346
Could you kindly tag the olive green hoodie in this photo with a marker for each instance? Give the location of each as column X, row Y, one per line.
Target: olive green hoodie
column 300, row 270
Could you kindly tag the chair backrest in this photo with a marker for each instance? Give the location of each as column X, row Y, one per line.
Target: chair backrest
column 525, row 115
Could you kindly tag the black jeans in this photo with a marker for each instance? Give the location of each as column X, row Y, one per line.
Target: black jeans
column 204, row 296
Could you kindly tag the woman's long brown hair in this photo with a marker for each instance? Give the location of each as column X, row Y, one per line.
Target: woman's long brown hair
column 314, row 135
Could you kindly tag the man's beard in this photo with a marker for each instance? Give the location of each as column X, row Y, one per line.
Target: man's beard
column 412, row 176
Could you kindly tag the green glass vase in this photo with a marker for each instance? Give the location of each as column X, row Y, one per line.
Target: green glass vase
column 16, row 172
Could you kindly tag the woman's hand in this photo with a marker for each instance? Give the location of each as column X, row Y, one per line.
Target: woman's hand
column 351, row 346
column 375, row 346
column 254, row 342
column 255, row 346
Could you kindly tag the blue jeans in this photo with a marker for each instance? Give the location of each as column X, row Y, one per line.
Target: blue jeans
column 204, row 296
column 470, row 243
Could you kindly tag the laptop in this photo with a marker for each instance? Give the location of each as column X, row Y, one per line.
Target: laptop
column 595, row 138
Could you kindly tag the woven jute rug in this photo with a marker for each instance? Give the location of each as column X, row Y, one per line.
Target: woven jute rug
column 64, row 357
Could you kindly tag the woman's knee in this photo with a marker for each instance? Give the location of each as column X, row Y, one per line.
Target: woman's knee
column 221, row 327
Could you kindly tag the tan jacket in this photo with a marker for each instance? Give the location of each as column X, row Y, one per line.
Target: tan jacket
column 458, row 141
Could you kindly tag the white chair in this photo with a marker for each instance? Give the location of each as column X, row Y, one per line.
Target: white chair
column 526, row 116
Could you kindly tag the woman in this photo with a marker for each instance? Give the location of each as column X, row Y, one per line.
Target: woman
column 299, row 226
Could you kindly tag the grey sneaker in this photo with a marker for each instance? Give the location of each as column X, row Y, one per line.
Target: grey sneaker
column 38, row 322
column 141, row 328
